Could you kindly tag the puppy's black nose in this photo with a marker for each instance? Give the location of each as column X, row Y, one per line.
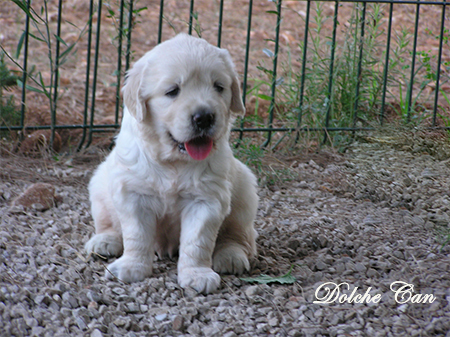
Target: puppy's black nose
column 203, row 119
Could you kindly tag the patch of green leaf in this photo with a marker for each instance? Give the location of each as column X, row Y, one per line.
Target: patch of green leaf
column 265, row 279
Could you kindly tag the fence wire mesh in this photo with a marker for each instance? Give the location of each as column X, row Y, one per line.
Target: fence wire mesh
column 305, row 66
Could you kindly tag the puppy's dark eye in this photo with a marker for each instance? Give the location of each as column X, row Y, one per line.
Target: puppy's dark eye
column 173, row 92
column 218, row 87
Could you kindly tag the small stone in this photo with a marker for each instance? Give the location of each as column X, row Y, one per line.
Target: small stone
column 236, row 282
column 340, row 267
column 41, row 195
column 37, row 331
column 279, row 292
column 194, row 329
column 212, row 331
column 161, row 317
column 253, row 291
column 93, row 296
column 38, row 207
column 350, row 316
column 349, row 228
column 360, row 267
column 31, row 322
column 402, row 308
column 407, row 182
column 93, row 305
column 273, row 321
column 118, row 291
column 81, row 323
column 320, row 265
column 120, row 322
column 323, row 241
column 190, row 293
column 59, row 288
column 434, row 306
column 96, row 333
column 427, row 173
column 39, row 141
column 372, row 273
column 43, row 299
column 294, row 302
column 370, row 220
column 69, row 301
column 230, row 334
column 177, row 323
column 31, row 241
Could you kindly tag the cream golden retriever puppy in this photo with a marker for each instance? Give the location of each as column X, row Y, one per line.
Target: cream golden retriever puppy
column 171, row 184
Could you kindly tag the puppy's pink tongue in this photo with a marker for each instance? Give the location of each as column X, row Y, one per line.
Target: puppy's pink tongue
column 199, row 148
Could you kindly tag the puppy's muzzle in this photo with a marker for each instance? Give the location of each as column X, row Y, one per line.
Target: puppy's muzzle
column 203, row 120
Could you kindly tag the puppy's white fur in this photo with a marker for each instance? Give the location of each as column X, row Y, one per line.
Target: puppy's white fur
column 151, row 196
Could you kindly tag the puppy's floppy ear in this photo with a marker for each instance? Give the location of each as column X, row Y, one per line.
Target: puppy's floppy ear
column 236, row 106
column 132, row 92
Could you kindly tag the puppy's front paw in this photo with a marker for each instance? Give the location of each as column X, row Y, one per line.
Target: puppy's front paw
column 106, row 245
column 230, row 260
column 202, row 279
column 129, row 269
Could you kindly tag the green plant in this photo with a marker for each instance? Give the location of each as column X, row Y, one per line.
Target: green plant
column 442, row 235
column 265, row 279
column 9, row 114
column 345, row 81
column 121, row 24
column 425, row 73
column 250, row 154
column 318, row 100
column 349, row 72
column 268, row 169
column 58, row 52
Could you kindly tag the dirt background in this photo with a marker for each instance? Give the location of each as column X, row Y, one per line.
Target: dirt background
column 176, row 17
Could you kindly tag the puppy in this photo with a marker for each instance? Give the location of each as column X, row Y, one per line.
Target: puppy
column 171, row 184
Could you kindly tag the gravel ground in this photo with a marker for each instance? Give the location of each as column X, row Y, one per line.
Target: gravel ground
column 376, row 215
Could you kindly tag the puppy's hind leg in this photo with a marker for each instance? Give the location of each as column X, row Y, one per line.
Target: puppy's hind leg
column 234, row 246
column 235, row 243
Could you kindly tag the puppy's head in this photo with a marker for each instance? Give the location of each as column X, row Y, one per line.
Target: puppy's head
column 186, row 92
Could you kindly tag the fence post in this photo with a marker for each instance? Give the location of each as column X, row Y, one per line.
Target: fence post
column 386, row 64
column 55, row 76
column 191, row 15
column 119, row 62
column 361, row 53
column 161, row 15
column 247, row 52
column 331, row 75
column 25, row 73
column 438, row 70
column 130, row 27
column 94, row 79
column 274, row 75
column 88, row 72
column 219, row 28
column 302, row 79
column 413, row 64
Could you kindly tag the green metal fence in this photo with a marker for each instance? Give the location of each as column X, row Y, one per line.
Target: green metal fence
column 325, row 80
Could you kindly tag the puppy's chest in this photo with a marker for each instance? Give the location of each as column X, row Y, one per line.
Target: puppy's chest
column 172, row 187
